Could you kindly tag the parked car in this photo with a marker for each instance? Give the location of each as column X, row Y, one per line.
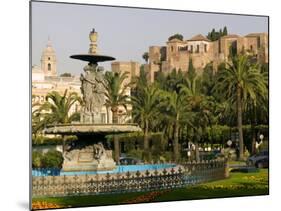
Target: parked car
column 259, row 160
column 129, row 161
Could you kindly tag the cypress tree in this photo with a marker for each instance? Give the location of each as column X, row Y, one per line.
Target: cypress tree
column 224, row 31
column 191, row 73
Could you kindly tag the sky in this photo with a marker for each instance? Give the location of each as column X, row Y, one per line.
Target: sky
column 124, row 33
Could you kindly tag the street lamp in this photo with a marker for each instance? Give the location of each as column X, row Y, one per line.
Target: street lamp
column 261, row 137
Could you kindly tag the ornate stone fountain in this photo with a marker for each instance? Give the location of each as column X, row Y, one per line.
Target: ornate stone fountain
column 89, row 153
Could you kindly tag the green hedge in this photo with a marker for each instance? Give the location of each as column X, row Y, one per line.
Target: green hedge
column 37, row 159
column 51, row 159
column 43, row 140
column 133, row 146
column 221, row 133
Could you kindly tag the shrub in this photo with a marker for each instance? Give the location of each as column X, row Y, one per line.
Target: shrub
column 167, row 156
column 136, row 153
column 52, row 159
column 43, row 140
column 36, row 159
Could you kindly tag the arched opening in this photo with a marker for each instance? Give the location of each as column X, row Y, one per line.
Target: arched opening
column 49, row 67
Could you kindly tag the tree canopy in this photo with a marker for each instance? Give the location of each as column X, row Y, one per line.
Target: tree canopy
column 176, row 36
column 215, row 35
column 65, row 75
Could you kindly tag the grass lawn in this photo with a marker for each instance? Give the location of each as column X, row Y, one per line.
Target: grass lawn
column 238, row 184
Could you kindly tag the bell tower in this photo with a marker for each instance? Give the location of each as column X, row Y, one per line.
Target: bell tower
column 49, row 61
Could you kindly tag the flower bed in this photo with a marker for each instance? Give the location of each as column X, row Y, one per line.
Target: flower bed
column 149, row 197
column 44, row 205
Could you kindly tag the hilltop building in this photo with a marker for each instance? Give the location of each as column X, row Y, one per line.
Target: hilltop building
column 176, row 54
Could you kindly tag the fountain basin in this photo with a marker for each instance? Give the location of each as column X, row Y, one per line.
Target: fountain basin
column 103, row 129
column 92, row 58
column 88, row 152
column 118, row 169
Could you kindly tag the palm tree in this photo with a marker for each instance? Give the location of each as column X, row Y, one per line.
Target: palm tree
column 239, row 81
column 176, row 108
column 56, row 109
column 201, row 109
column 37, row 123
column 145, row 109
column 256, row 113
column 115, row 90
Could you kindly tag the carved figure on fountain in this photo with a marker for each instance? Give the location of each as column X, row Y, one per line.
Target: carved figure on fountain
column 90, row 157
column 92, row 91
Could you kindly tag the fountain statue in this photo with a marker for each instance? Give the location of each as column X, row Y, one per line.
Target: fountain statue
column 92, row 94
column 89, row 153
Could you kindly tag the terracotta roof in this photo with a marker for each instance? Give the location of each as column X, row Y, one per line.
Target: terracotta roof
column 199, row 37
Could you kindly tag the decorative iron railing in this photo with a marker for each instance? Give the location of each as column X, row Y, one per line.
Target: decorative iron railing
column 180, row 176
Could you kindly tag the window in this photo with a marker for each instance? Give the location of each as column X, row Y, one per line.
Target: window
column 172, row 49
column 251, row 47
column 191, row 49
column 49, row 67
column 197, row 48
column 49, row 58
column 205, row 48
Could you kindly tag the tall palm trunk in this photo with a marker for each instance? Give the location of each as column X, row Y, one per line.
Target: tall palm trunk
column 176, row 139
column 116, row 148
column 145, row 137
column 197, row 155
column 146, row 152
column 239, row 123
column 254, row 140
column 114, row 115
column 115, row 138
column 254, row 132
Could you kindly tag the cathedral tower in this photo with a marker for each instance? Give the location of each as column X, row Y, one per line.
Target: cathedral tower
column 49, row 61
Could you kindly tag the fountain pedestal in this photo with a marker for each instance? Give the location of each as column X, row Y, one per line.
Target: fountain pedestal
column 88, row 158
column 88, row 153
